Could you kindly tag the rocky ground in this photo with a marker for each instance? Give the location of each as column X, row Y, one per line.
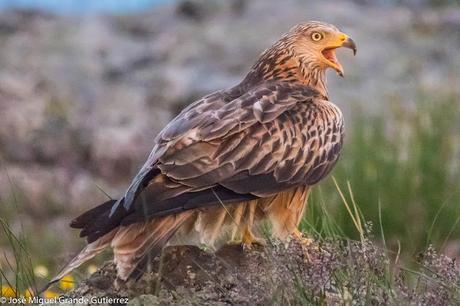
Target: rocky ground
column 81, row 98
column 328, row 273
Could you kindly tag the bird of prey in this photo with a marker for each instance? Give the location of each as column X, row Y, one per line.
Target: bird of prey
column 231, row 159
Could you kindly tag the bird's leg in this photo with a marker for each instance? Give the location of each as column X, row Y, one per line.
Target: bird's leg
column 248, row 238
column 237, row 216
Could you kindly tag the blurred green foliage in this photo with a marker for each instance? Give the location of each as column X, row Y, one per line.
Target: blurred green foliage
column 407, row 163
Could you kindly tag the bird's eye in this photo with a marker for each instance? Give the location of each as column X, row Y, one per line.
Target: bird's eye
column 316, row 36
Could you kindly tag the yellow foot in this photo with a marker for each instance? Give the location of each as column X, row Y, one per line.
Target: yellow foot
column 249, row 240
column 306, row 243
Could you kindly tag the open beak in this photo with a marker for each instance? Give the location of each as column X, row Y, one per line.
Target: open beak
column 329, row 52
column 350, row 44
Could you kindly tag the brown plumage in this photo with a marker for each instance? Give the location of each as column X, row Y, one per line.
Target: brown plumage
column 231, row 159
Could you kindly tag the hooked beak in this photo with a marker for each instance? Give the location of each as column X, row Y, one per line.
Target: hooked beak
column 329, row 52
column 350, row 44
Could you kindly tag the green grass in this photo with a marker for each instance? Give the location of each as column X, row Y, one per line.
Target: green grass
column 403, row 168
column 17, row 270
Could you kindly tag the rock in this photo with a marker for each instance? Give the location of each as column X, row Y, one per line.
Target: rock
column 188, row 275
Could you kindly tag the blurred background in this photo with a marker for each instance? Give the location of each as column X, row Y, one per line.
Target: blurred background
column 86, row 85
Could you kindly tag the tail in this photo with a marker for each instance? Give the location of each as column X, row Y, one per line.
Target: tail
column 135, row 233
column 134, row 244
column 91, row 250
column 131, row 244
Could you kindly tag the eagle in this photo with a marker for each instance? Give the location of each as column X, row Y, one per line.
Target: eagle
column 230, row 160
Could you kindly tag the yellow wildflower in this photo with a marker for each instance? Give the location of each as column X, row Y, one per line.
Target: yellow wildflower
column 48, row 294
column 8, row 291
column 67, row 282
column 29, row 293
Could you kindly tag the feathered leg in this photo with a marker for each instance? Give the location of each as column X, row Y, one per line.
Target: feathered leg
column 285, row 211
column 236, row 219
column 248, row 237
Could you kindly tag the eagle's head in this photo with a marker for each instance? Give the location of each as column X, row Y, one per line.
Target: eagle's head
column 301, row 56
column 315, row 43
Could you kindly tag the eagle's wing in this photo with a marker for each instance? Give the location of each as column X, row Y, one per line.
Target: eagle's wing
column 252, row 145
column 197, row 130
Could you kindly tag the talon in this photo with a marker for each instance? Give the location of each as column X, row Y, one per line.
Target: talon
column 255, row 241
column 248, row 245
column 248, row 240
column 305, row 243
